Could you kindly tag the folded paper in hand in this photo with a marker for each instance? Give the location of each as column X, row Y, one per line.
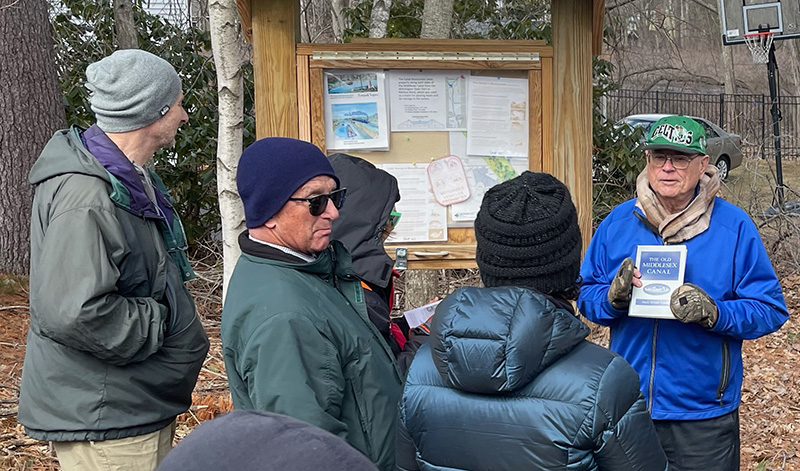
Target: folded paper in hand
column 420, row 315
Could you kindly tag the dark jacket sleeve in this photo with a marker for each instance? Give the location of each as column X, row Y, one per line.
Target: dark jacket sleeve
column 83, row 309
column 291, row 368
column 626, row 439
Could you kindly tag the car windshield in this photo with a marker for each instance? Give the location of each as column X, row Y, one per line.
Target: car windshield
column 636, row 122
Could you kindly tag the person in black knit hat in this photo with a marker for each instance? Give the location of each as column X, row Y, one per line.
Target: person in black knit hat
column 508, row 379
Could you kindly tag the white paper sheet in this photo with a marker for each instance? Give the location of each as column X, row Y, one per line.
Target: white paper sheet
column 422, row 218
column 425, row 100
column 497, row 117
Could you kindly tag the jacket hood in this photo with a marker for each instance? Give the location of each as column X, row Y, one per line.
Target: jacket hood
column 497, row 340
column 371, row 195
column 65, row 153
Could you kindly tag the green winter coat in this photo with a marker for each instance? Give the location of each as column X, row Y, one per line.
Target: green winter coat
column 297, row 341
column 115, row 344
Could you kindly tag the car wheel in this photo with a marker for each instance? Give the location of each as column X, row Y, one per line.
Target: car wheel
column 723, row 165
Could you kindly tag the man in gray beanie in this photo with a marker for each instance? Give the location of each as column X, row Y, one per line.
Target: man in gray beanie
column 296, row 336
column 115, row 344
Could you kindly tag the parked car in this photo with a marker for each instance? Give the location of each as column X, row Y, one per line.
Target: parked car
column 724, row 148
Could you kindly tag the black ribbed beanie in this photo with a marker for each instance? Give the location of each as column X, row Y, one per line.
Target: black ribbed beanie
column 528, row 235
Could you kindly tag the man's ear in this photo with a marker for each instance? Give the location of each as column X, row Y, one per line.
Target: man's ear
column 705, row 161
column 271, row 223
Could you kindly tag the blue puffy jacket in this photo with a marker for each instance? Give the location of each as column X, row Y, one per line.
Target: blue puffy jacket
column 685, row 371
column 508, row 382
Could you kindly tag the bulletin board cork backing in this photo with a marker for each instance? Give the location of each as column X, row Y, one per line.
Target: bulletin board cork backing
column 532, row 60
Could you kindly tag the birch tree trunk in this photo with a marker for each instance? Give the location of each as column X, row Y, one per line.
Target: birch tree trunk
column 338, row 23
column 437, row 19
column 379, row 18
column 227, row 47
column 124, row 26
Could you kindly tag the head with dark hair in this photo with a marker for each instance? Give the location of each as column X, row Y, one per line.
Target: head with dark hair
column 528, row 235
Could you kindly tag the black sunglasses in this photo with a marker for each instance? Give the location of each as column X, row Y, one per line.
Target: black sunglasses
column 317, row 204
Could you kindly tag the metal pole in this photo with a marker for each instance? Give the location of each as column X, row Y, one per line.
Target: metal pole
column 776, row 129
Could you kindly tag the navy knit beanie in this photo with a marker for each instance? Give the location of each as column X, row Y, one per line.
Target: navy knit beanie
column 262, row 441
column 271, row 170
column 528, row 235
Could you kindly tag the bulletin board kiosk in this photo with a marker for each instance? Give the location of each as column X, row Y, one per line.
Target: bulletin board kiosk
column 448, row 121
column 448, row 118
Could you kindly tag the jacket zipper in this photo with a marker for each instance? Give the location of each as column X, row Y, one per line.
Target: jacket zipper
column 652, row 367
column 726, row 371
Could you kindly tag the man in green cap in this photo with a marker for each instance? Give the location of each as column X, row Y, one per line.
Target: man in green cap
column 690, row 367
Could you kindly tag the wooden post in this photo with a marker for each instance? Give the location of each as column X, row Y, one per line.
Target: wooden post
column 275, row 35
column 572, row 103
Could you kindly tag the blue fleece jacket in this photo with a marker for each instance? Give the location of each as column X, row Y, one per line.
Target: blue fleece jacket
column 685, row 371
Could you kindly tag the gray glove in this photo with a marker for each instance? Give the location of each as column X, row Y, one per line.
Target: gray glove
column 619, row 293
column 689, row 303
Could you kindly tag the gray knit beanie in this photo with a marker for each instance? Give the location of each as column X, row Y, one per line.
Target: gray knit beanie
column 130, row 89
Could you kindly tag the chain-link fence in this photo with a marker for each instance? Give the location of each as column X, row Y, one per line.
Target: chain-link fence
column 746, row 115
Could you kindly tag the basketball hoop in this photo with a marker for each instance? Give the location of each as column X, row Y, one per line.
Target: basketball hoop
column 759, row 45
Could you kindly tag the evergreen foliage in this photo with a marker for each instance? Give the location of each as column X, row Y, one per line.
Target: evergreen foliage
column 83, row 33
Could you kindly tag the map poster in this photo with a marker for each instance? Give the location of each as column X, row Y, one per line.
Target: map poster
column 482, row 174
column 662, row 268
column 427, row 100
column 355, row 109
column 423, row 219
column 497, row 117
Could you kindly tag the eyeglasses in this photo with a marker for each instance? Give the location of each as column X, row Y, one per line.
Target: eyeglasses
column 318, row 204
column 679, row 162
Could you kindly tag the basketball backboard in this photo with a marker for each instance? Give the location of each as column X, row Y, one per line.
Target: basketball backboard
column 740, row 17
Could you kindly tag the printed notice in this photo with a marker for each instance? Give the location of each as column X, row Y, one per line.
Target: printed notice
column 423, row 219
column 662, row 268
column 355, row 109
column 497, row 117
column 428, row 100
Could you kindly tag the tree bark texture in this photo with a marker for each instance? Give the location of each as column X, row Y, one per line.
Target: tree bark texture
column 379, row 17
column 437, row 19
column 420, row 287
column 227, row 45
column 124, row 25
column 338, row 23
column 30, row 111
column 727, row 64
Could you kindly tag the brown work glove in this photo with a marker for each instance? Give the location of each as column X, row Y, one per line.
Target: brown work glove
column 689, row 303
column 619, row 293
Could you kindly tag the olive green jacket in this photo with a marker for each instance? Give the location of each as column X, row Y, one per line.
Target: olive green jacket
column 115, row 344
column 297, row 341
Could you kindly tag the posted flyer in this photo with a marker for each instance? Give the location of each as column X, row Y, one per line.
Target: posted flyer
column 355, row 109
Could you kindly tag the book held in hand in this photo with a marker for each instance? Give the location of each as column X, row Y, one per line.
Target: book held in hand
column 662, row 268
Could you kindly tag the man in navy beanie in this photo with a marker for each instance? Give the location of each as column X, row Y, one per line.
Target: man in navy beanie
column 295, row 332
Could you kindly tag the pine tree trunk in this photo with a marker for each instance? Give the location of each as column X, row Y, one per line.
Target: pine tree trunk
column 124, row 26
column 227, row 45
column 30, row 111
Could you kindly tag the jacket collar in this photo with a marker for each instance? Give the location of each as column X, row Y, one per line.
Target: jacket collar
column 128, row 188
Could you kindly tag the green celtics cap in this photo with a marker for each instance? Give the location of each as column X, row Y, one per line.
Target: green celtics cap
column 678, row 133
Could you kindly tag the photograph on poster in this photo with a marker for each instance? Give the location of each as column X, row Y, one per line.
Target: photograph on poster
column 355, row 110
